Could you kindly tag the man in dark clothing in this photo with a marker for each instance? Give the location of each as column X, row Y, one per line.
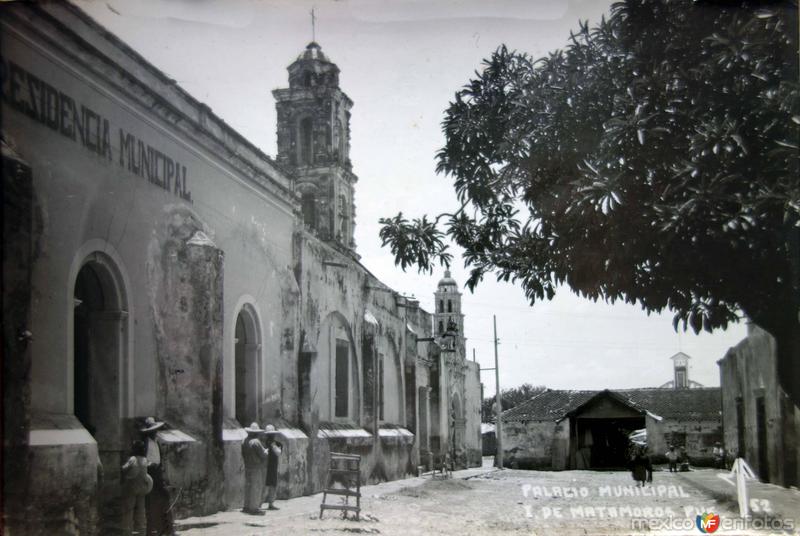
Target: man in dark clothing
column 274, row 452
column 641, row 468
column 254, row 456
column 159, row 516
column 683, row 460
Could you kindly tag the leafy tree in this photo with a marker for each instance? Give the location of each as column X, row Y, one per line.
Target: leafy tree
column 653, row 160
column 511, row 398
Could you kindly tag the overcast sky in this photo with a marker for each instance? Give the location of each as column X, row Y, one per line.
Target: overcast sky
column 401, row 63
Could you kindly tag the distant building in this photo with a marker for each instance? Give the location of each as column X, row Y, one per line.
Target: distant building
column 680, row 362
column 489, row 438
column 560, row 429
column 761, row 423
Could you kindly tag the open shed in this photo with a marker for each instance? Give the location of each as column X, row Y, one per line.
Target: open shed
column 561, row 429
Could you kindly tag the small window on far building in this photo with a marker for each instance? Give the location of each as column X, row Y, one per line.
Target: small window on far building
column 441, row 327
column 449, row 306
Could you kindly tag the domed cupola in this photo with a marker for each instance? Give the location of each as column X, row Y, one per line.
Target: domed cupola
column 447, row 280
column 313, row 69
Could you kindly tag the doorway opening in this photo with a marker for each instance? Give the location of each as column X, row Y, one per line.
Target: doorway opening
column 761, row 427
column 599, row 432
column 99, row 344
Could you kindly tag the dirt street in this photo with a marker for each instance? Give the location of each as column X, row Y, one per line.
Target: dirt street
column 496, row 502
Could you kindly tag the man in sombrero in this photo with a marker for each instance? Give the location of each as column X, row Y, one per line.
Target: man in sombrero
column 273, row 457
column 255, row 468
column 157, row 502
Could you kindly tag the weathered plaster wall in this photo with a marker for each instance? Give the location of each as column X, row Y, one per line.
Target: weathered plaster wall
column 232, row 464
column 187, row 308
column 748, row 372
column 700, row 437
column 64, row 474
column 18, row 255
column 561, row 446
column 472, row 414
column 528, row 445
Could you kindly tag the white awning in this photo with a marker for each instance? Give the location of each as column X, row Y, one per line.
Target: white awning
column 369, row 318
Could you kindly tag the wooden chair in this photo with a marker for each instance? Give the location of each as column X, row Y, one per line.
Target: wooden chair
column 346, row 470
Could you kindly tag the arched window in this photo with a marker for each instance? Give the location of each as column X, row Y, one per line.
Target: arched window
column 449, row 306
column 307, row 80
column 441, row 327
column 247, row 349
column 441, row 306
column 334, row 374
column 309, row 204
column 391, row 396
column 306, row 149
column 340, row 140
column 343, row 218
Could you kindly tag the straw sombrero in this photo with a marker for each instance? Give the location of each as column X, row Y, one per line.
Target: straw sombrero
column 253, row 429
column 151, row 424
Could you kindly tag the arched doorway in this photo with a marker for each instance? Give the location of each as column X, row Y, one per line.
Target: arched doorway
column 247, row 350
column 100, row 333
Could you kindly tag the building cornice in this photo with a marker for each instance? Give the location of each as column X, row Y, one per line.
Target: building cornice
column 65, row 28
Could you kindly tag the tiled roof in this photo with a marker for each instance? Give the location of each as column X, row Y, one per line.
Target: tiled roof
column 678, row 404
column 672, row 404
column 550, row 405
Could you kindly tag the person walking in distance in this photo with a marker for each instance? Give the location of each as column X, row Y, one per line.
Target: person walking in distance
column 273, row 457
column 641, row 467
column 672, row 459
column 255, row 468
column 136, row 484
column 718, row 452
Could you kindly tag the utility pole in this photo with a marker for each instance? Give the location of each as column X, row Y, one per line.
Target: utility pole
column 498, row 427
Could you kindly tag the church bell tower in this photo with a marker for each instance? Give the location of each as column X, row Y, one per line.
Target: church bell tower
column 448, row 318
column 314, row 145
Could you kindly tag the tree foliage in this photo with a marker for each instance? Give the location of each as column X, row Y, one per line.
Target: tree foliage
column 652, row 160
column 511, row 398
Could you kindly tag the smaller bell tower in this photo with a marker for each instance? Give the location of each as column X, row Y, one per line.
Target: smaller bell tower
column 680, row 365
column 448, row 318
column 314, row 145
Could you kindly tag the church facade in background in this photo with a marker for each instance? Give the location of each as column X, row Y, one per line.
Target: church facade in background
column 156, row 263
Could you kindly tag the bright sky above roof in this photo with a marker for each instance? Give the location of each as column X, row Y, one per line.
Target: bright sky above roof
column 401, row 62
